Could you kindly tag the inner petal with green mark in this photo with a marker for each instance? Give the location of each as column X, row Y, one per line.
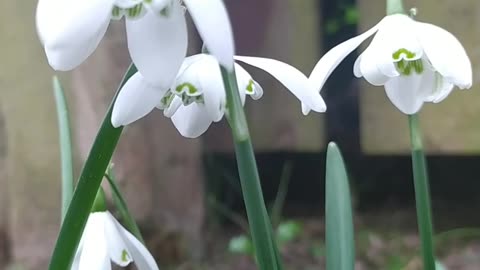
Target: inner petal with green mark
column 134, row 12
column 250, row 87
column 189, row 93
column 125, row 257
column 407, row 62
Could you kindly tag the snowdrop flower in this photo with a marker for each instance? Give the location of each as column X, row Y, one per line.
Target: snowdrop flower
column 70, row 30
column 197, row 98
column 105, row 240
column 416, row 62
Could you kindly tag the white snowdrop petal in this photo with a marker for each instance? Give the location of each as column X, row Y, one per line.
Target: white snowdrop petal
column 192, row 120
column 258, row 91
column 395, row 36
column 94, row 255
column 244, row 82
column 293, row 79
column 333, row 57
column 211, row 85
column 213, row 24
column 172, row 109
column 442, row 90
column 140, row 254
column 446, row 54
column 71, row 30
column 158, row 45
column 404, row 93
column 369, row 69
column 117, row 249
column 135, row 100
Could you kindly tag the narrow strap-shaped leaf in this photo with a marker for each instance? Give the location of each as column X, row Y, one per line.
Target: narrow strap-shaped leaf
column 65, row 144
column 340, row 244
column 86, row 190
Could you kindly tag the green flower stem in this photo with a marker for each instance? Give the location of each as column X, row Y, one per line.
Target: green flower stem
column 87, row 187
column 260, row 224
column 122, row 206
column 395, row 7
column 65, row 145
column 422, row 194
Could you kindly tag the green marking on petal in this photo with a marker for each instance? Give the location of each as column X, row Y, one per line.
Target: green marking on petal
column 116, row 12
column 409, row 55
column 135, row 12
column 406, row 67
column 191, row 89
column 125, row 257
column 250, row 87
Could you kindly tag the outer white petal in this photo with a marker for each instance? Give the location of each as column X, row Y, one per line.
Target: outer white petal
column 213, row 24
column 290, row 77
column 333, row 57
column 140, row 254
column 408, row 93
column 95, row 255
column 446, row 54
column 397, row 32
column 71, row 30
column 192, row 120
column 367, row 67
column 158, row 45
column 135, row 100
column 117, row 249
column 442, row 90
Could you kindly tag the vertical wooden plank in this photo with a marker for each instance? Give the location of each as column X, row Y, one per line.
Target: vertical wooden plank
column 289, row 31
column 30, row 121
column 449, row 127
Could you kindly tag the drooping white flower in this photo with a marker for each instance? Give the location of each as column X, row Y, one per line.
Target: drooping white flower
column 197, row 98
column 70, row 30
column 105, row 241
column 416, row 62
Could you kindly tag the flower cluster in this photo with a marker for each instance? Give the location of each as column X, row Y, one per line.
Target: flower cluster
column 415, row 62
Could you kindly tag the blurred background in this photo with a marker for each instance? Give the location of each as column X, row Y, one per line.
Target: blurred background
column 185, row 193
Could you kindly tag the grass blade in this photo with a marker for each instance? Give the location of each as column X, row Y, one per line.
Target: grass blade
column 340, row 244
column 65, row 144
column 86, row 190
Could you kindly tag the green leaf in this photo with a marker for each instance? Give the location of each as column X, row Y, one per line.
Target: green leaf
column 121, row 205
column 340, row 245
column 88, row 184
column 65, row 144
